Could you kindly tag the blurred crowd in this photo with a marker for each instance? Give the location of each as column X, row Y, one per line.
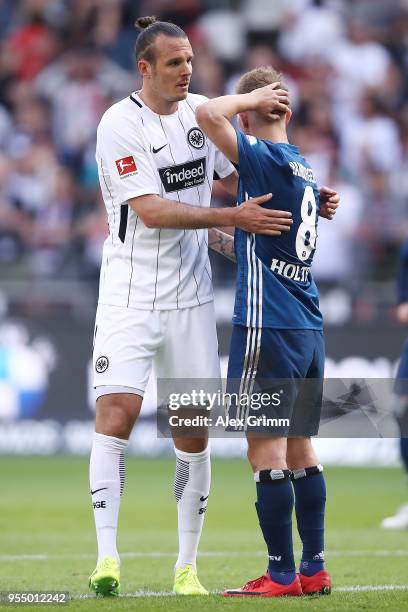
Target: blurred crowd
column 63, row 62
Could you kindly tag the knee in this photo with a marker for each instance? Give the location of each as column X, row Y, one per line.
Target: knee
column 300, row 453
column 191, row 445
column 255, row 459
column 264, row 458
column 116, row 414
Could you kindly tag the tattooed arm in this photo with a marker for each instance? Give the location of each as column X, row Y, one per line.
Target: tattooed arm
column 221, row 243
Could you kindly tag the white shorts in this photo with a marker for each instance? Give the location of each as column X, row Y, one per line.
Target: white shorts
column 180, row 343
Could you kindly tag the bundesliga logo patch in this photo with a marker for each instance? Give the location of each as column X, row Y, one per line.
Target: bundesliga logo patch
column 126, row 166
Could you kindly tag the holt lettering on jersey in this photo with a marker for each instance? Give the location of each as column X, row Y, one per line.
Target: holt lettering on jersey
column 126, row 166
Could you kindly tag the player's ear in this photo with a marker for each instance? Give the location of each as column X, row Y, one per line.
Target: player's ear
column 288, row 116
column 144, row 68
column 243, row 121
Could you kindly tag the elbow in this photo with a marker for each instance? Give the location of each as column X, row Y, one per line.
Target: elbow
column 204, row 115
column 209, row 119
column 148, row 217
column 146, row 209
column 150, row 221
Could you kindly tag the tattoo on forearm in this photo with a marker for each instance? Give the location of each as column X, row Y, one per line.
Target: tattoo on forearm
column 221, row 243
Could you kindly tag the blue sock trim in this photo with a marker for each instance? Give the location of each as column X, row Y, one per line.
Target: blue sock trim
column 310, row 568
column 283, row 577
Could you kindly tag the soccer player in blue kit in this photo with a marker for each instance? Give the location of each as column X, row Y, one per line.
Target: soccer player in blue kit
column 277, row 332
column 400, row 518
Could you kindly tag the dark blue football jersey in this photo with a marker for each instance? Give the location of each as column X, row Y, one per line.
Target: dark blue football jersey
column 274, row 286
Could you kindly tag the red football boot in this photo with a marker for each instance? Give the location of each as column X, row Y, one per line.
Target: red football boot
column 266, row 587
column 319, row 583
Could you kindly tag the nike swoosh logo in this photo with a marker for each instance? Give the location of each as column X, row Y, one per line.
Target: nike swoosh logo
column 159, row 149
column 96, row 490
column 202, row 498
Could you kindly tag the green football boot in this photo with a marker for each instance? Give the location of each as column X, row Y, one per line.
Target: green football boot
column 186, row 582
column 105, row 579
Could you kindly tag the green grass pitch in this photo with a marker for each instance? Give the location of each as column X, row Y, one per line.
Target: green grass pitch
column 47, row 537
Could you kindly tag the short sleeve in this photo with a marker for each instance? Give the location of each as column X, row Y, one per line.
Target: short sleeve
column 121, row 154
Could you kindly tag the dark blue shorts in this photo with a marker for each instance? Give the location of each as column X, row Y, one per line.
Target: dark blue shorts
column 282, row 369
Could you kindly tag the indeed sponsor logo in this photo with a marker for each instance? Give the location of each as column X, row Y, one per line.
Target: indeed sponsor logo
column 183, row 176
column 293, row 271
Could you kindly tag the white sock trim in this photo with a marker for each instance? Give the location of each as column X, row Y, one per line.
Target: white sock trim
column 114, row 443
column 184, row 456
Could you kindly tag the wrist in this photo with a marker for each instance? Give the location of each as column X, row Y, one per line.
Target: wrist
column 249, row 100
column 226, row 216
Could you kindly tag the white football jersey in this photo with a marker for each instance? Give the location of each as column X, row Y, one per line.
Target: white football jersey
column 140, row 152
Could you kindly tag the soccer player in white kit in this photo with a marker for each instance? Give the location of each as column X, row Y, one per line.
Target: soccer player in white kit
column 156, row 169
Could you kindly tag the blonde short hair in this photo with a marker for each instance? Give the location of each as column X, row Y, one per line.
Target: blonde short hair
column 256, row 78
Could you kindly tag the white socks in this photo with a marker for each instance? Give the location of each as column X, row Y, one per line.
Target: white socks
column 107, row 480
column 191, row 490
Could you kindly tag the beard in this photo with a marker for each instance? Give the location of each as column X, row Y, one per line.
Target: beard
column 178, row 97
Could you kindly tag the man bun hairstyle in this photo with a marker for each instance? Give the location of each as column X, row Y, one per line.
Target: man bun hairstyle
column 151, row 28
column 145, row 22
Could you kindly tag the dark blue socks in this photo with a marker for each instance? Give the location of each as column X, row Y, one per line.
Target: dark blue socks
column 274, row 508
column 276, row 498
column 310, row 501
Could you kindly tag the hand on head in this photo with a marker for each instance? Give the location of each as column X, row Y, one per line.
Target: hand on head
column 271, row 101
